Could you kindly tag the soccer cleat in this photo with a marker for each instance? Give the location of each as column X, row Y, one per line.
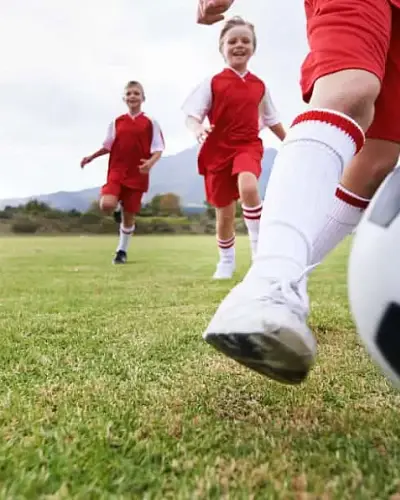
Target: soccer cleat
column 117, row 216
column 262, row 325
column 120, row 257
column 224, row 270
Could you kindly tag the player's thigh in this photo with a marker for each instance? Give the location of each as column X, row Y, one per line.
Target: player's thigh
column 349, row 41
column 370, row 167
column 386, row 124
column 221, row 188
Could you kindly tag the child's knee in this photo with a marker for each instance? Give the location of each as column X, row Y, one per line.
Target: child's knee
column 108, row 203
column 248, row 189
column 352, row 92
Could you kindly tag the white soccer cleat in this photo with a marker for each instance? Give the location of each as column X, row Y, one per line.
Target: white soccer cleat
column 262, row 325
column 224, row 270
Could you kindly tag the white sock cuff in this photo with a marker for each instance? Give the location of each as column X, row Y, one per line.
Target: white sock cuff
column 331, row 129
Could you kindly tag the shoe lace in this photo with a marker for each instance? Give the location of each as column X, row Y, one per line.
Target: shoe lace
column 286, row 292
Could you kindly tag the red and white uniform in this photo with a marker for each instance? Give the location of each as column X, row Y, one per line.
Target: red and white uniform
column 130, row 139
column 357, row 34
column 238, row 106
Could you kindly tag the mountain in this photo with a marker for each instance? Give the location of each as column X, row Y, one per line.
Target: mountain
column 175, row 174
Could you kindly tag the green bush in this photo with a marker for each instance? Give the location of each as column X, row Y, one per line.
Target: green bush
column 26, row 226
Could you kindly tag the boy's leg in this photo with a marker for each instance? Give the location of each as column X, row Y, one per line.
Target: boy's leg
column 262, row 322
column 131, row 201
column 118, row 214
column 109, row 196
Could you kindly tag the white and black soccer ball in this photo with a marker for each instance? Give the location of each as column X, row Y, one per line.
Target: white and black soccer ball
column 374, row 277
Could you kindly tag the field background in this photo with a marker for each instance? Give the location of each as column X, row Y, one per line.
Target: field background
column 108, row 391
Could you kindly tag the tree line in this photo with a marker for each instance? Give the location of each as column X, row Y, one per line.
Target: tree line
column 163, row 213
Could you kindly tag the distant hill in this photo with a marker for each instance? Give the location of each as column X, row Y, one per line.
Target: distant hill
column 175, row 173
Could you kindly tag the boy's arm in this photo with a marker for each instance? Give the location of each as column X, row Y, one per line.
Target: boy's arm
column 107, row 144
column 156, row 149
column 99, row 152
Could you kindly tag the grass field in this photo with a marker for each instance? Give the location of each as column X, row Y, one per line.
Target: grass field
column 109, row 392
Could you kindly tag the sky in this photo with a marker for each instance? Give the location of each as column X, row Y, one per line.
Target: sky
column 64, row 66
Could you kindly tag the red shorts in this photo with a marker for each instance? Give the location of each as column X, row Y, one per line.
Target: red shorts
column 222, row 186
column 131, row 199
column 357, row 34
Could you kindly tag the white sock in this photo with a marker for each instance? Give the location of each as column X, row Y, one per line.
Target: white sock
column 300, row 190
column 125, row 234
column 251, row 216
column 226, row 250
column 346, row 212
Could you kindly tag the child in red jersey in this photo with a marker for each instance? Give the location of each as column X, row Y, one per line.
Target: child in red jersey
column 334, row 157
column 238, row 105
column 135, row 144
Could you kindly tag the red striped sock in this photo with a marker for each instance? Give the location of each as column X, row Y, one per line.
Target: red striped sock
column 251, row 216
column 345, row 214
column 226, row 249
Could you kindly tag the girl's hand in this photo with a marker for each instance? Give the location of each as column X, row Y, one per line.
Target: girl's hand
column 203, row 132
column 145, row 166
column 211, row 11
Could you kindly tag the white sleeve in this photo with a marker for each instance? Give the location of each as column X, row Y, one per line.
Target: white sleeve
column 157, row 143
column 110, row 136
column 198, row 103
column 268, row 112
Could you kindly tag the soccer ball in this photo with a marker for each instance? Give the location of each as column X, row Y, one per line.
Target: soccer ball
column 374, row 277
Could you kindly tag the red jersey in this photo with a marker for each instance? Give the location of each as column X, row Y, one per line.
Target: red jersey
column 238, row 106
column 129, row 140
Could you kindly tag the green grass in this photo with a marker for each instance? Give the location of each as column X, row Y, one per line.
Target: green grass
column 107, row 389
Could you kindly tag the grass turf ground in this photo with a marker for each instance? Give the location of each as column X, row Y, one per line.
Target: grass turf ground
column 108, row 391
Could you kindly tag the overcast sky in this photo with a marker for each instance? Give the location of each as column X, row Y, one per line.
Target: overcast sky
column 64, row 65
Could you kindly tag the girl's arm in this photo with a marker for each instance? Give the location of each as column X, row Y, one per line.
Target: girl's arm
column 269, row 117
column 199, row 130
column 196, row 108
